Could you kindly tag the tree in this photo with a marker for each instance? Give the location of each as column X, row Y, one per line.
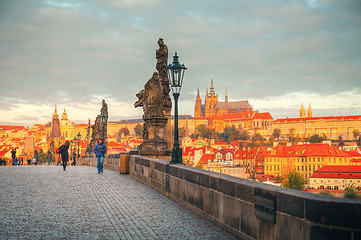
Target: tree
column 315, row 139
column 257, row 137
column 356, row 134
column 276, row 133
column 125, row 131
column 230, row 134
column 138, row 130
column 340, row 141
column 204, row 131
column 294, row 180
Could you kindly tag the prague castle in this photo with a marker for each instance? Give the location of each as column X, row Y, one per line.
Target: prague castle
column 213, row 107
column 218, row 115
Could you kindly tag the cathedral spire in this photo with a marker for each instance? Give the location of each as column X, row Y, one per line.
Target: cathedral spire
column 226, row 98
column 302, row 112
column 55, row 115
column 211, row 90
column 64, row 116
column 309, row 111
column 198, row 96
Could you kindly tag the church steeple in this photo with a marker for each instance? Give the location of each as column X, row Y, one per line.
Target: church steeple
column 55, row 114
column 55, row 125
column 64, row 116
column 211, row 90
column 309, row 111
column 198, row 106
column 302, row 112
column 226, row 98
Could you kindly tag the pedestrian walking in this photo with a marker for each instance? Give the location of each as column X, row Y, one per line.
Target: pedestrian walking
column 34, row 161
column 63, row 151
column 74, row 158
column 99, row 150
column 13, row 156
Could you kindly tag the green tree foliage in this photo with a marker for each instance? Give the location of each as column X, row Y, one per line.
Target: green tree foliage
column 351, row 192
column 230, row 134
column 340, row 141
column 204, row 131
column 257, row 137
column 294, row 180
column 356, row 134
column 327, row 193
column 125, row 131
column 315, row 139
column 138, row 130
column 276, row 133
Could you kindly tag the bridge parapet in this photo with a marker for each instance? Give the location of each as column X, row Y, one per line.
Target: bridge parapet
column 111, row 161
column 249, row 209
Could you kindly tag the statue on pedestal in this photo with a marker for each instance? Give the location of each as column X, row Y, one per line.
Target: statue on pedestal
column 157, row 104
column 97, row 129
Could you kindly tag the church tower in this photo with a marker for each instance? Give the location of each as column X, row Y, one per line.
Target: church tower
column 309, row 111
column 226, row 97
column 55, row 125
column 64, row 116
column 302, row 112
column 211, row 100
column 198, row 107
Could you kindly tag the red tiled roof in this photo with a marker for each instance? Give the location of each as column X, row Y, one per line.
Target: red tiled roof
column 353, row 153
column 337, row 118
column 265, row 115
column 307, row 150
column 328, row 171
column 205, row 157
column 9, row 127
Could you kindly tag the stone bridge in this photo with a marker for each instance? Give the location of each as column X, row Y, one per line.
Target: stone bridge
column 45, row 202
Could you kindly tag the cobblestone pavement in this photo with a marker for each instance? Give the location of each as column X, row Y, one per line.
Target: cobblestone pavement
column 45, row 202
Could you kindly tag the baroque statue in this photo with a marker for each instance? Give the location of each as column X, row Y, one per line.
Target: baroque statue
column 157, row 104
column 97, row 129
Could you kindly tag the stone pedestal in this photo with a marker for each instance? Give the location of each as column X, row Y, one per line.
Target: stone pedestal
column 154, row 143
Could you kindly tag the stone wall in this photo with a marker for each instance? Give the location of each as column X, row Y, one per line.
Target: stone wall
column 111, row 161
column 251, row 210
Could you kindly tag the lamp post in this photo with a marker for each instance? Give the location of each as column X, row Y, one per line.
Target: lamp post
column 78, row 138
column 176, row 74
column 103, row 119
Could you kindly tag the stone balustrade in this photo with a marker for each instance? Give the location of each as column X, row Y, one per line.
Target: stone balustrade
column 248, row 209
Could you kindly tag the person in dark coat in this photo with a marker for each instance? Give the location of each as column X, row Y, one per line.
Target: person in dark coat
column 100, row 150
column 13, row 156
column 63, row 151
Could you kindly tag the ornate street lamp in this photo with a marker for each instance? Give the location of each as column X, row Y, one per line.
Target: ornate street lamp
column 78, row 138
column 103, row 119
column 176, row 74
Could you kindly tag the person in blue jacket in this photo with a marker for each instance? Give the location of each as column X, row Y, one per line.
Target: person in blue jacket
column 99, row 150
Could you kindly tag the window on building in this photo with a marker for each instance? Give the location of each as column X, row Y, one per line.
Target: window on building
column 336, row 187
column 302, row 168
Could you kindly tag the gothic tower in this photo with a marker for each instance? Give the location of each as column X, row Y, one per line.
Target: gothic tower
column 309, row 111
column 226, row 97
column 211, row 100
column 198, row 106
column 302, row 112
column 55, row 125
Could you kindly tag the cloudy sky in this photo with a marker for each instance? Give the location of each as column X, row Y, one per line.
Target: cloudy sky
column 276, row 54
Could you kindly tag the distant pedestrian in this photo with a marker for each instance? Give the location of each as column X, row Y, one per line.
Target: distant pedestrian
column 29, row 161
column 34, row 161
column 63, row 151
column 74, row 158
column 99, row 150
column 13, row 156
